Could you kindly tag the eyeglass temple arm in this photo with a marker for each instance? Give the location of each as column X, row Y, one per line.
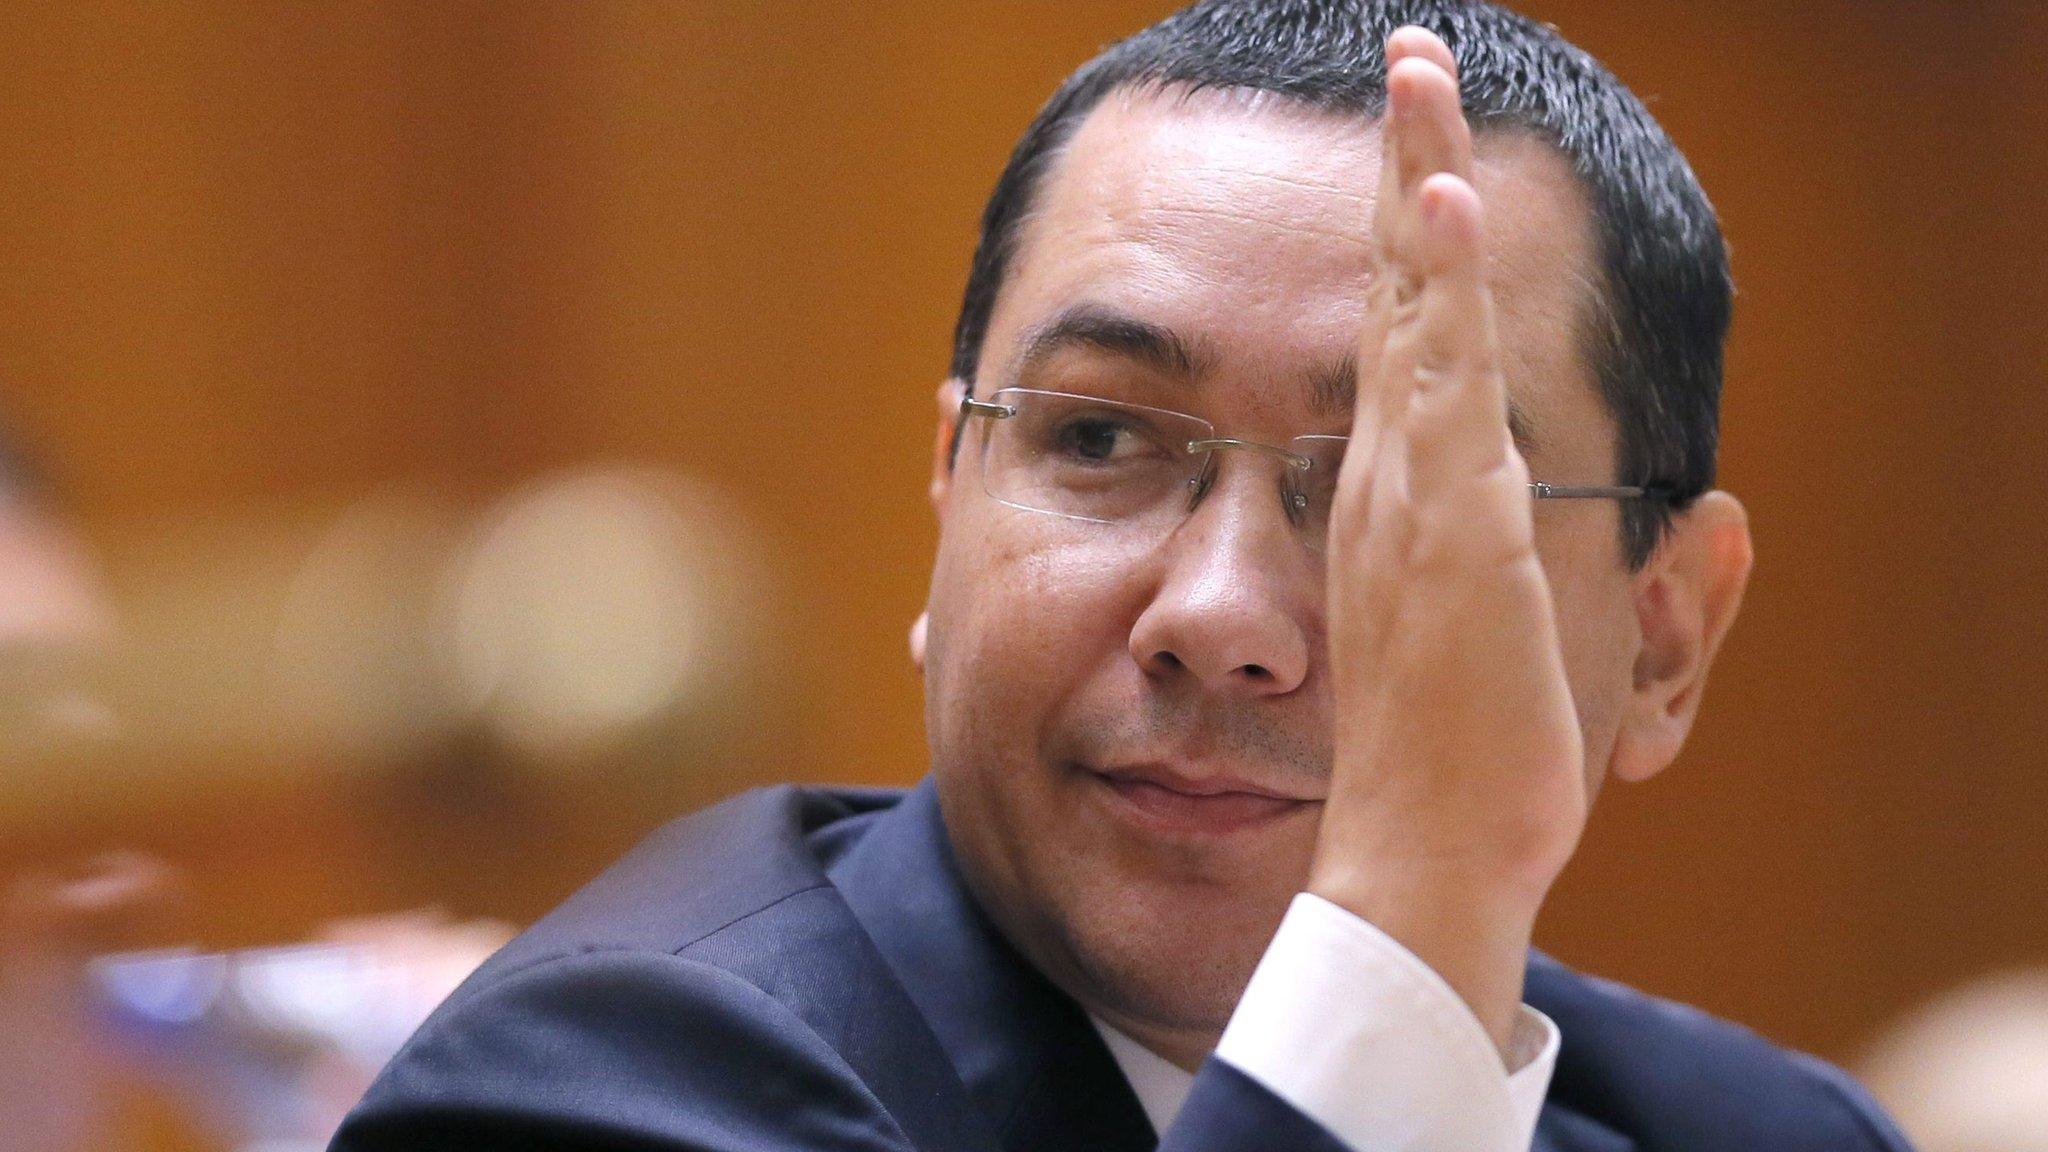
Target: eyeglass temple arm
column 1544, row 491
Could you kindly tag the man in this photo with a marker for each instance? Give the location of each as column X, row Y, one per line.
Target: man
column 1326, row 511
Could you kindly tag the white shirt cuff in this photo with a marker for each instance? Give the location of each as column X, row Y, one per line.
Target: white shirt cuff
column 1358, row 1033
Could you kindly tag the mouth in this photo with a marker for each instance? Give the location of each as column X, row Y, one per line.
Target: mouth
column 1164, row 802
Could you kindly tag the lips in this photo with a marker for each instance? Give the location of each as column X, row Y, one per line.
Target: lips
column 1162, row 800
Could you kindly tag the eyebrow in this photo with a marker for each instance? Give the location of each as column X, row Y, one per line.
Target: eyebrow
column 1106, row 330
column 1331, row 390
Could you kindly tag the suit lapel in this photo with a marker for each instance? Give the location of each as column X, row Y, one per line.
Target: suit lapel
column 1034, row 1066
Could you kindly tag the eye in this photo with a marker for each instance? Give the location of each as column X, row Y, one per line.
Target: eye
column 1093, row 438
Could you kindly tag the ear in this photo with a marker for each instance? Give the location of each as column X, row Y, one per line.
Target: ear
column 950, row 394
column 1686, row 597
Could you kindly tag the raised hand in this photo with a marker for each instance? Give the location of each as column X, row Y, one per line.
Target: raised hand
column 1458, row 791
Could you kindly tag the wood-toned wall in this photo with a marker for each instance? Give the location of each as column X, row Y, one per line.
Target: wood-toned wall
column 259, row 259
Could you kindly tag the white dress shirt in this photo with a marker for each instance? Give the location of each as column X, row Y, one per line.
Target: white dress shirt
column 1358, row 1033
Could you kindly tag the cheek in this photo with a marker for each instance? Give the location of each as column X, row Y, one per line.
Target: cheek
column 1025, row 608
column 1025, row 612
column 1591, row 588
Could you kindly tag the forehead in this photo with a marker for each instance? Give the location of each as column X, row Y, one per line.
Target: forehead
column 1244, row 220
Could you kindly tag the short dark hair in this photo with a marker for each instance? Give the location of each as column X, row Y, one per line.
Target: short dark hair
column 1656, row 331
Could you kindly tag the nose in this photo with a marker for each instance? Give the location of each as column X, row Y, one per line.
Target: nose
column 1237, row 599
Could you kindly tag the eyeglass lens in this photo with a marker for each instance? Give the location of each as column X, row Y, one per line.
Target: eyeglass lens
column 1108, row 462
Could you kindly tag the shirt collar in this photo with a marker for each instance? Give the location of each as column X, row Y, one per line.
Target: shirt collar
column 1162, row 1086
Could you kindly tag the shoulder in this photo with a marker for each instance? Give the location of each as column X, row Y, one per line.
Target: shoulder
column 699, row 967
column 1671, row 1075
column 732, row 886
column 700, row 874
column 616, row 1048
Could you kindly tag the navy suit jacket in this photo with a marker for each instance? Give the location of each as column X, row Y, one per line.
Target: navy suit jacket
column 804, row 969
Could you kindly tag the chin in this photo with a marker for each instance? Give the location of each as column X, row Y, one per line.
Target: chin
column 1167, row 959
column 1143, row 939
column 1143, row 928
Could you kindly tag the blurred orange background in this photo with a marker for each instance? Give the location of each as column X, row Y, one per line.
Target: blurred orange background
column 295, row 299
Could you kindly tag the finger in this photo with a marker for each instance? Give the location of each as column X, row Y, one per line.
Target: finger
column 1457, row 422
column 1369, row 513
column 1426, row 90
column 1428, row 124
column 1415, row 40
column 1423, row 127
column 1388, row 507
column 1415, row 55
column 1424, row 133
column 1368, row 409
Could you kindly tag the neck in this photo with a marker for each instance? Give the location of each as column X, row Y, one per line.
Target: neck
column 1184, row 1048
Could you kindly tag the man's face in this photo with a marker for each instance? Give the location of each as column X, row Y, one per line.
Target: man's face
column 1060, row 650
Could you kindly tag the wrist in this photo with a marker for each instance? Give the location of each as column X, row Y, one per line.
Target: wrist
column 1475, row 937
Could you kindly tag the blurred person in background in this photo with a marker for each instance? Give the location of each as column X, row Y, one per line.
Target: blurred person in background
column 54, row 618
column 263, row 1048
column 1255, row 750
column 1968, row 1070
column 54, row 622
